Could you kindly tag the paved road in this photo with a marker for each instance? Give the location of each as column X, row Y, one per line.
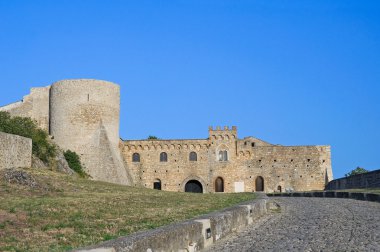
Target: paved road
column 311, row 224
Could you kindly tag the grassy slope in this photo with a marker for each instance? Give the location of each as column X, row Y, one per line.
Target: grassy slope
column 66, row 212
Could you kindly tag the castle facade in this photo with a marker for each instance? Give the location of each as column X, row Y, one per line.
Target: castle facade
column 83, row 115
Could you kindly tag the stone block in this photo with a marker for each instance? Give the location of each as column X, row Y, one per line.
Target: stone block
column 15, row 151
column 357, row 196
column 373, row 197
column 342, row 194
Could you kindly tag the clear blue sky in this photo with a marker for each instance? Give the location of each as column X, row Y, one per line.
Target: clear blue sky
column 288, row 72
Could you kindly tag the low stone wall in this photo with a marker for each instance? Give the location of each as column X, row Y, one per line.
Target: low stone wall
column 331, row 194
column 191, row 235
column 365, row 180
column 15, row 151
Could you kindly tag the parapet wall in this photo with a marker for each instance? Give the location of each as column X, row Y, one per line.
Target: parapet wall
column 191, row 235
column 15, row 151
column 365, row 180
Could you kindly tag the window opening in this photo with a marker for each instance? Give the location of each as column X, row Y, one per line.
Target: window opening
column 163, row 157
column 136, row 157
column 193, row 156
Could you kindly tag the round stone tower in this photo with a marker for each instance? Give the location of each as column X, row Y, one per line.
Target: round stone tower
column 84, row 117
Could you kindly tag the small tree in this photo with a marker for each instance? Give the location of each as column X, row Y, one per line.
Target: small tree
column 358, row 170
column 26, row 127
column 74, row 162
column 153, row 138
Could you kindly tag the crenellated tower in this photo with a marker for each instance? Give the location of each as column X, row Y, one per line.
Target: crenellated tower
column 223, row 142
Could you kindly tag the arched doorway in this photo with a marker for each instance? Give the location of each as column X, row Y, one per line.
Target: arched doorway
column 194, row 186
column 279, row 188
column 259, row 184
column 219, row 184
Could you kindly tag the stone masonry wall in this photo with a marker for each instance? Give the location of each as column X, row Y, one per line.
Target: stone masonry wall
column 15, row 151
column 84, row 117
column 365, row 180
column 35, row 105
column 300, row 168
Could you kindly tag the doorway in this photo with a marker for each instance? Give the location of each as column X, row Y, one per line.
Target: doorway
column 259, row 184
column 219, row 184
column 194, row 186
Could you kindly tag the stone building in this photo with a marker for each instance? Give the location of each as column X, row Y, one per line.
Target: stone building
column 225, row 163
column 83, row 116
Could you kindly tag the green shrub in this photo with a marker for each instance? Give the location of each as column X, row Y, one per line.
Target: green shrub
column 74, row 162
column 358, row 170
column 26, row 127
column 153, row 138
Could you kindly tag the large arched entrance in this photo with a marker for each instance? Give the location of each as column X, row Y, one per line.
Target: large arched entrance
column 259, row 184
column 194, row 186
column 219, row 185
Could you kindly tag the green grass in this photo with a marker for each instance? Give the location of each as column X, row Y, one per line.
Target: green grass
column 67, row 212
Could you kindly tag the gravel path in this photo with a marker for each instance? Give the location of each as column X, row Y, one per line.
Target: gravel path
column 311, row 224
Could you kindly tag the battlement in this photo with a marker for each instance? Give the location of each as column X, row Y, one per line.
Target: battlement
column 219, row 128
column 219, row 131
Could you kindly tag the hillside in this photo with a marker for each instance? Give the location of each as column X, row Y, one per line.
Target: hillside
column 42, row 210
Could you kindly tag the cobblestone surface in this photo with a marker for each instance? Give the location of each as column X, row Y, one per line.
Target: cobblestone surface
column 311, row 224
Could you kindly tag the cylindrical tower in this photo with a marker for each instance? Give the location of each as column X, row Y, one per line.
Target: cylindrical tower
column 84, row 117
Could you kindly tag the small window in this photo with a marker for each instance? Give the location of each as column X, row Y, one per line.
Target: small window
column 223, row 155
column 253, row 144
column 163, row 157
column 136, row 157
column 157, row 184
column 193, row 156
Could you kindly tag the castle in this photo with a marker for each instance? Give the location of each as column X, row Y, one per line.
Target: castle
column 83, row 115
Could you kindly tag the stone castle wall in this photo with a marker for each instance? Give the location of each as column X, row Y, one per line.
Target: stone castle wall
column 84, row 117
column 15, row 151
column 290, row 167
column 81, row 115
column 366, row 180
column 35, row 105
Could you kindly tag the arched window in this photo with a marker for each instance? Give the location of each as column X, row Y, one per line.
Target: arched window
column 223, row 155
column 219, row 184
column 163, row 157
column 157, row 184
column 193, row 156
column 136, row 157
